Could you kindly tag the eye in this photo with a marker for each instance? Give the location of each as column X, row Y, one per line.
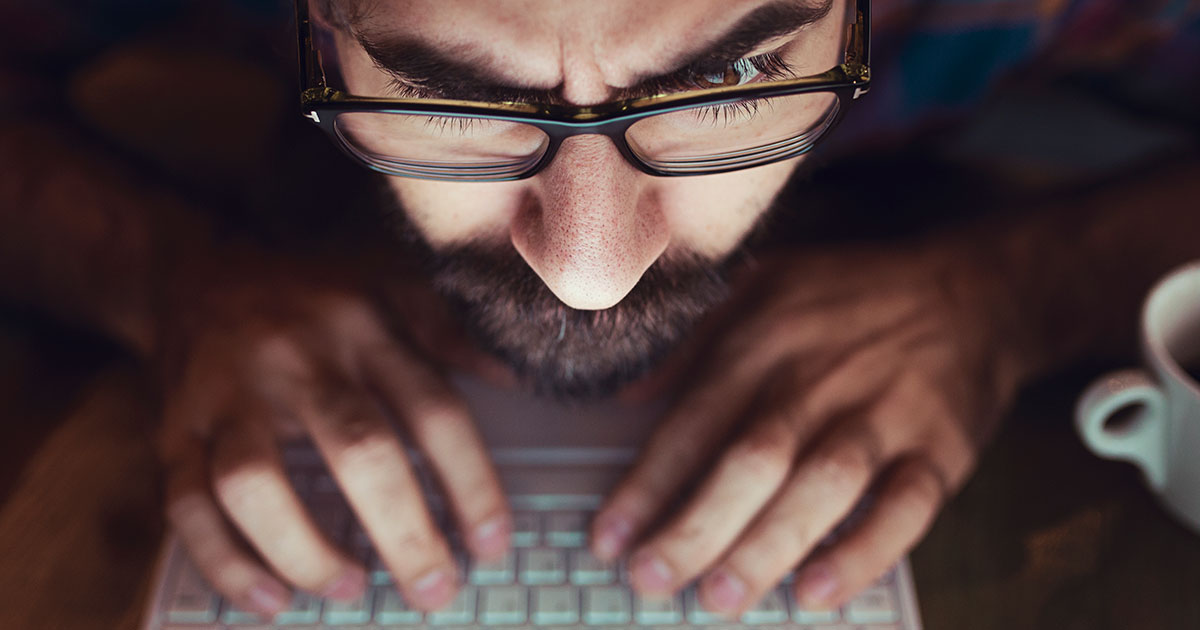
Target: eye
column 738, row 72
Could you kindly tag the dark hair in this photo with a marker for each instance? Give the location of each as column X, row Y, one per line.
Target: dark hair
column 339, row 14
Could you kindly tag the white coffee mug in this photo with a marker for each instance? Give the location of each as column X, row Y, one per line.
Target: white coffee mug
column 1158, row 427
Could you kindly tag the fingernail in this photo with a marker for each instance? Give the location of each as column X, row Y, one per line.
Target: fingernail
column 817, row 583
column 350, row 585
column 268, row 598
column 650, row 574
column 491, row 538
column 724, row 591
column 433, row 589
column 612, row 532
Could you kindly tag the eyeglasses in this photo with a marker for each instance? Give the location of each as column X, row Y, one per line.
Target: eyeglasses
column 695, row 132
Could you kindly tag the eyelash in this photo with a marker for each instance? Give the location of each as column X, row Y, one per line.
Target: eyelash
column 744, row 109
column 770, row 66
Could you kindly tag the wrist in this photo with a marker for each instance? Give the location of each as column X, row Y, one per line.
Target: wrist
column 995, row 332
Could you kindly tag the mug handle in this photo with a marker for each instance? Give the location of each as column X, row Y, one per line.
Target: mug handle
column 1143, row 438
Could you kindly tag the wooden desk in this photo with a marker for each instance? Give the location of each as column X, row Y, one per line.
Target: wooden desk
column 1044, row 537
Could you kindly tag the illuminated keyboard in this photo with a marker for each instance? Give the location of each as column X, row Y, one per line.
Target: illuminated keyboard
column 547, row 580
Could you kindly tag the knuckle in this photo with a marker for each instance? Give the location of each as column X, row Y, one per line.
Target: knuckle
column 960, row 452
column 415, row 552
column 481, row 500
column 365, row 450
column 764, row 454
column 439, row 409
column 841, row 467
column 314, row 577
column 278, row 349
column 923, row 486
column 312, row 566
column 241, row 485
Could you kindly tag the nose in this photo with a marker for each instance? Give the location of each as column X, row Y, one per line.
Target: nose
column 593, row 226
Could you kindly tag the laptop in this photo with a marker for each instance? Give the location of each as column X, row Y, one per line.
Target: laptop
column 557, row 462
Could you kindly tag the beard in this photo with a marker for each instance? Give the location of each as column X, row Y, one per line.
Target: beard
column 557, row 351
column 565, row 353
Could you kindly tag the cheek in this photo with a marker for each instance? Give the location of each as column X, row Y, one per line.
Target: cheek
column 711, row 215
column 448, row 213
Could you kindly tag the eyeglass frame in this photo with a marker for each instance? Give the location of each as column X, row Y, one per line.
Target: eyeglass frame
column 849, row 81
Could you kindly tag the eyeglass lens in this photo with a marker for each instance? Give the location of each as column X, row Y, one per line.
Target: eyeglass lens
column 700, row 139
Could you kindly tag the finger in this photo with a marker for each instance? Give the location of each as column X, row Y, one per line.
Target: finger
column 211, row 543
column 252, row 487
column 366, row 457
column 826, row 485
column 742, row 482
column 442, row 428
column 687, row 436
column 684, row 440
column 903, row 511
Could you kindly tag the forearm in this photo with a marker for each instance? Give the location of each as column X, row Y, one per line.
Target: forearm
column 1067, row 279
column 81, row 237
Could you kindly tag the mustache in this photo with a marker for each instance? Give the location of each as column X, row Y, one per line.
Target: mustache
column 566, row 353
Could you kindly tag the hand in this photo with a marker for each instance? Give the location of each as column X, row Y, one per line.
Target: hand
column 263, row 350
column 850, row 375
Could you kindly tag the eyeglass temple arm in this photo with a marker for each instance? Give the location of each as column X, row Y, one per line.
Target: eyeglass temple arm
column 858, row 49
column 312, row 70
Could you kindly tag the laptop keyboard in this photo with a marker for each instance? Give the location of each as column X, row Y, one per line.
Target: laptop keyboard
column 547, row 580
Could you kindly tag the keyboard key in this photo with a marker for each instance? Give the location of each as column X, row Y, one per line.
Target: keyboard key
column 658, row 612
column 696, row 612
column 555, row 605
column 874, row 605
column 605, row 605
column 390, row 609
column 526, row 529
column 190, row 600
column 379, row 574
column 801, row 615
column 305, row 609
column 772, row 609
column 502, row 605
column 459, row 612
column 587, row 569
column 349, row 613
column 238, row 618
column 566, row 529
column 550, row 581
column 543, row 566
column 500, row 571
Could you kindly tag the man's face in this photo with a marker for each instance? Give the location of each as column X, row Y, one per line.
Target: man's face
column 590, row 226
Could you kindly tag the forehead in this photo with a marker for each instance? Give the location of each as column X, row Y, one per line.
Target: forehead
column 540, row 39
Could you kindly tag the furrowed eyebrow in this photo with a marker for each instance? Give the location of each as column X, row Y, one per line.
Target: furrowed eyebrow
column 415, row 63
column 768, row 22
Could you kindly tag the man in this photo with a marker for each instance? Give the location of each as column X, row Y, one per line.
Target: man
column 823, row 375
